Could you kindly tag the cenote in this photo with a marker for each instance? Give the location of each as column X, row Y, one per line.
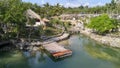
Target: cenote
column 87, row 53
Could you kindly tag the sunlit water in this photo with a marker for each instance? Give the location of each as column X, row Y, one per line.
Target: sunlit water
column 86, row 54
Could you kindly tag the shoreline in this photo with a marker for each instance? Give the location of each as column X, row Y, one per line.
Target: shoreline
column 106, row 40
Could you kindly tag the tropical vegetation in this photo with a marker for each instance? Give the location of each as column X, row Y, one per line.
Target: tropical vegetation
column 13, row 19
column 103, row 24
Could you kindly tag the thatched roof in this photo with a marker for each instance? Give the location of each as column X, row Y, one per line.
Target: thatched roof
column 32, row 14
column 45, row 20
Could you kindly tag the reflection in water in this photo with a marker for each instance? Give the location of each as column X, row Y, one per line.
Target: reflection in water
column 84, row 50
column 35, row 56
column 104, row 52
column 12, row 59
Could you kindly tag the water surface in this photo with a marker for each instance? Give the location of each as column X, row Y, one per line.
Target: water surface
column 86, row 54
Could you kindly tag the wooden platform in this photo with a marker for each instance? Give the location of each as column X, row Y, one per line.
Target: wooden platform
column 56, row 50
column 51, row 40
column 55, row 39
column 52, row 46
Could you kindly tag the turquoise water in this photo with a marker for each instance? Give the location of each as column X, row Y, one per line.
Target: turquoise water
column 86, row 54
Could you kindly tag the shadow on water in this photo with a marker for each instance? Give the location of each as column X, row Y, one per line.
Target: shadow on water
column 103, row 52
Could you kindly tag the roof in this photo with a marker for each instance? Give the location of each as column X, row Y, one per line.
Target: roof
column 45, row 20
column 32, row 14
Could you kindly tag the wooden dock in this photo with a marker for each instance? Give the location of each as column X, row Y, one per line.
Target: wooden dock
column 52, row 46
column 57, row 51
column 56, row 39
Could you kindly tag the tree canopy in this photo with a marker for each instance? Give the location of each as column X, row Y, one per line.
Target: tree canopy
column 102, row 24
column 13, row 19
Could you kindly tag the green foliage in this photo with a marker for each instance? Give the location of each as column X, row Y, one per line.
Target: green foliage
column 12, row 16
column 102, row 24
column 49, row 31
column 112, row 7
column 67, row 24
column 48, row 10
column 56, row 21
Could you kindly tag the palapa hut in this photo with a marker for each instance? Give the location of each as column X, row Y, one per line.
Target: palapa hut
column 45, row 20
column 32, row 15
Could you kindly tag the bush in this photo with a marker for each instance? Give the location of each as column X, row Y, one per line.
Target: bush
column 102, row 24
column 56, row 21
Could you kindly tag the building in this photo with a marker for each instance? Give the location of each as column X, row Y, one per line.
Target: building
column 32, row 15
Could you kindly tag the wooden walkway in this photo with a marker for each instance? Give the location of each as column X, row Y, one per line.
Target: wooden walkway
column 54, row 39
column 57, row 51
column 52, row 46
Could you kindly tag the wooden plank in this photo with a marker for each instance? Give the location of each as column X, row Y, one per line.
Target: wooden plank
column 56, row 50
column 53, row 47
